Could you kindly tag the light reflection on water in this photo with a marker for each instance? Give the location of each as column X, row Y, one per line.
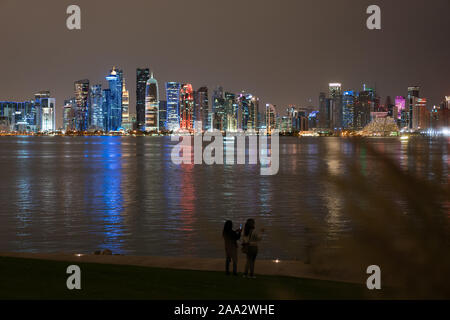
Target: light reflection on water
column 81, row 194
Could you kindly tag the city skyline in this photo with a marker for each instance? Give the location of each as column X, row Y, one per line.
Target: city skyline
column 277, row 70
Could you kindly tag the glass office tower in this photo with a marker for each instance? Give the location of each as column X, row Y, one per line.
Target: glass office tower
column 142, row 76
column 173, row 105
column 152, row 105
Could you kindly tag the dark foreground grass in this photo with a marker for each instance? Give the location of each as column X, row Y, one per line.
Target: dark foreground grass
column 42, row 279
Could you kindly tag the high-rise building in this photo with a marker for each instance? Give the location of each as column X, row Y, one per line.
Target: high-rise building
column 126, row 123
column 441, row 115
column 38, row 107
column 115, row 80
column 420, row 115
column 69, row 120
column 152, row 105
column 173, row 105
column 218, row 109
column 96, row 109
column 201, row 108
column 162, row 115
column 231, row 113
column 186, row 107
column 348, row 110
column 335, row 89
column 248, row 112
column 390, row 108
column 142, row 76
column 365, row 105
column 336, row 95
column 17, row 116
column 106, row 106
column 271, row 117
column 400, row 104
column 82, row 101
column 413, row 93
column 48, row 114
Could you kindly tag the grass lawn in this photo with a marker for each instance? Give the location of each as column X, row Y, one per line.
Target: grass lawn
column 42, row 279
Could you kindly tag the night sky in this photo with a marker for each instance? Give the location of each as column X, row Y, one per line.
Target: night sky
column 285, row 52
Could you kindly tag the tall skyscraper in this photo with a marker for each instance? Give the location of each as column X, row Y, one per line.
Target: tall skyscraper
column 142, row 76
column 48, row 115
column 365, row 104
column 271, row 117
column 115, row 80
column 186, row 107
column 247, row 112
column 400, row 104
column 69, row 123
column 348, row 110
column 413, row 94
column 218, row 109
column 38, row 107
column 162, row 115
column 96, row 109
column 336, row 96
column 335, row 89
column 173, row 105
column 152, row 105
column 231, row 112
column 106, row 104
column 82, row 100
column 202, row 108
column 420, row 118
column 126, row 123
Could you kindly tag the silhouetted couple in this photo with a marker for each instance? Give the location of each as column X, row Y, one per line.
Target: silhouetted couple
column 250, row 241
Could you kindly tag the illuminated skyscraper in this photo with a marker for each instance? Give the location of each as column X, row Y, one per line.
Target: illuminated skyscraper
column 142, row 76
column 218, row 109
column 126, row 123
column 152, row 105
column 248, row 112
column 106, row 104
column 96, row 109
column 186, row 107
column 173, row 105
column 69, row 123
column 162, row 115
column 17, row 116
column 348, row 109
column 365, row 104
column 336, row 96
column 115, row 80
column 402, row 114
column 202, row 108
column 48, row 115
column 82, row 100
column 413, row 94
column 231, row 112
column 271, row 117
column 335, row 89
column 420, row 118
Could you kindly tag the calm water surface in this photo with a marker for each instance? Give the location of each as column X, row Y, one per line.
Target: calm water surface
column 81, row 194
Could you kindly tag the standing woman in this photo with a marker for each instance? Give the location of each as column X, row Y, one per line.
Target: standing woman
column 230, row 238
column 250, row 246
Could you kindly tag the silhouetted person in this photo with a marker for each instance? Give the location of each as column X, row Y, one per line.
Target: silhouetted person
column 230, row 238
column 250, row 246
